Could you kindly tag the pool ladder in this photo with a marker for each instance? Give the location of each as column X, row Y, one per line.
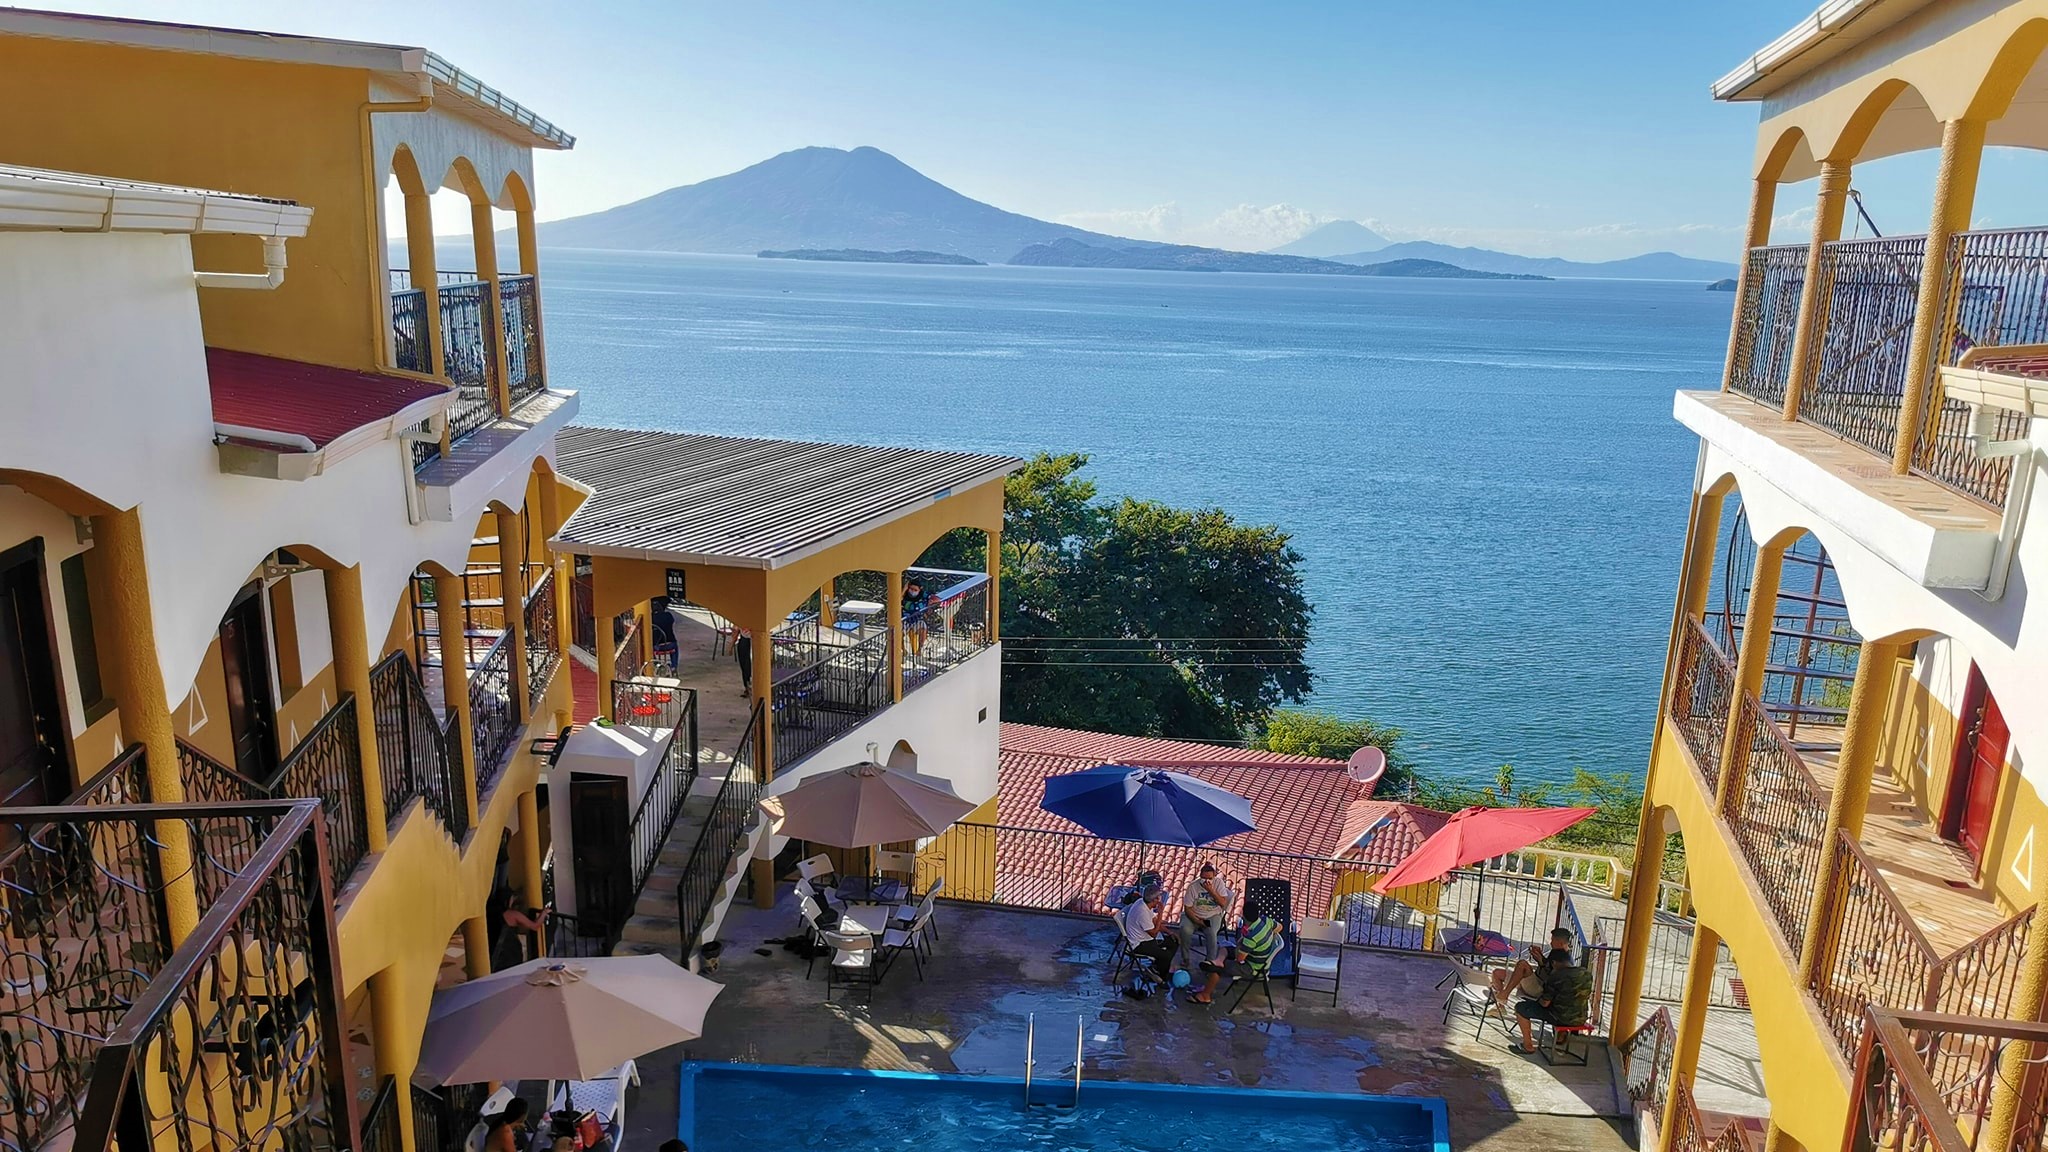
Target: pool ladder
column 1031, row 1060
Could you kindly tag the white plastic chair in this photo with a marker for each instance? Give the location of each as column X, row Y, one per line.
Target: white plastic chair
column 853, row 960
column 896, row 941
column 1470, row 992
column 898, row 864
column 817, row 870
column 1325, row 967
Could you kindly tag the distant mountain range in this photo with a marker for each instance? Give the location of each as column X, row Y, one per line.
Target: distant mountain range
column 1071, row 253
column 869, row 256
column 815, row 198
column 1650, row 266
column 1334, row 239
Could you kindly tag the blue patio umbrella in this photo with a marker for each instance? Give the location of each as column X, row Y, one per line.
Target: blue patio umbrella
column 1120, row 802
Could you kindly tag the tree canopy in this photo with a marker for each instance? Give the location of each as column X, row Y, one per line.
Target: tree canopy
column 1313, row 732
column 1133, row 616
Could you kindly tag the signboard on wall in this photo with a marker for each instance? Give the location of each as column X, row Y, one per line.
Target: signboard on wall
column 675, row 585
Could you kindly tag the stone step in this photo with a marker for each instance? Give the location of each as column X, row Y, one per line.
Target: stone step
column 672, row 949
column 657, row 931
column 657, row 900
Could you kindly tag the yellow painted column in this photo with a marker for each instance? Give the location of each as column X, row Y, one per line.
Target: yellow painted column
column 476, row 947
column 1955, row 194
column 529, row 264
column 419, row 256
column 1692, row 1015
column 1862, row 734
column 396, row 1053
column 128, row 638
column 764, row 694
column 607, row 664
column 995, row 581
column 1813, row 302
column 350, row 637
column 558, row 563
column 512, row 586
column 1776, row 1139
column 643, row 634
column 529, row 855
column 1763, row 198
column 1757, row 621
column 2020, row 1064
column 1646, row 871
column 826, row 617
column 1705, row 549
column 486, row 241
column 892, row 617
column 449, row 592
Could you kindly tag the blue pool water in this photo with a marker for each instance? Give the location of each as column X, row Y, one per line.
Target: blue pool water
column 745, row 1107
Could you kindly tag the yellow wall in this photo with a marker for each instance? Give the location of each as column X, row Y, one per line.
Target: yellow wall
column 1424, row 898
column 287, row 131
column 965, row 858
column 1805, row 1076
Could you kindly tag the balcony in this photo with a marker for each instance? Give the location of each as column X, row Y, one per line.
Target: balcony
column 1904, row 927
column 1856, row 370
column 1933, row 1081
column 114, row 1035
column 473, row 333
column 497, row 712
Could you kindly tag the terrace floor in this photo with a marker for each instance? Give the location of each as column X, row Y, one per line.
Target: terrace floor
column 995, row 968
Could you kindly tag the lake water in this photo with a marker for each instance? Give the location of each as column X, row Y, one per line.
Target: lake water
column 1483, row 477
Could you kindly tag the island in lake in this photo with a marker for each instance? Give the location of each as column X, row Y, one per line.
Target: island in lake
column 1721, row 286
column 1070, row 253
column 870, row 256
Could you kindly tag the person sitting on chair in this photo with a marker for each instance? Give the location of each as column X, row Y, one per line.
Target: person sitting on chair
column 1258, row 941
column 1202, row 909
column 1145, row 931
column 1565, row 991
column 1527, row 974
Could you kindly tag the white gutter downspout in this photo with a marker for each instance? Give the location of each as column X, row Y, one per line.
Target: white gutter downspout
column 2017, row 493
column 271, row 277
column 415, row 510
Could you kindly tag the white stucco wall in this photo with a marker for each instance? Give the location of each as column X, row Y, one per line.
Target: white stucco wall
column 2009, row 644
column 953, row 724
column 105, row 387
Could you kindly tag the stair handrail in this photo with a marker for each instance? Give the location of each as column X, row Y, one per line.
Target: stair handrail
column 745, row 760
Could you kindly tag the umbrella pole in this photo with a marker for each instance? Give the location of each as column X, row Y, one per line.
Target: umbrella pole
column 1478, row 897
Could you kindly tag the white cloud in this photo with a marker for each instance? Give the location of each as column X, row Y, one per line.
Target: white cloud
column 1245, row 228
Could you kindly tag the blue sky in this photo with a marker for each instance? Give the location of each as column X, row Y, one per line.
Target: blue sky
column 1564, row 127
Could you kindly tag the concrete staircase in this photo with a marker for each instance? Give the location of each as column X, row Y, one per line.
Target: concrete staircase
column 655, row 926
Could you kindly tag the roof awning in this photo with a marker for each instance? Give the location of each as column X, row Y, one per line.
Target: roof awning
column 288, row 419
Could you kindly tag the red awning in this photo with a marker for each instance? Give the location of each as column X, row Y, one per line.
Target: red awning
column 295, row 406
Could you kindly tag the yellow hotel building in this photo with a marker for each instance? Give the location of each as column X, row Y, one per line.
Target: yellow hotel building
column 303, row 572
column 1853, row 730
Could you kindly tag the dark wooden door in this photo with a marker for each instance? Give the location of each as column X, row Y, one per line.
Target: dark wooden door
column 600, row 821
column 34, row 766
column 245, row 665
column 1978, row 771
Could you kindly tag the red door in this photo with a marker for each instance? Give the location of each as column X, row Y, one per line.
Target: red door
column 1979, row 769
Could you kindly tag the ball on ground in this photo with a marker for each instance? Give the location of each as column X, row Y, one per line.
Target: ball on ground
column 1181, row 979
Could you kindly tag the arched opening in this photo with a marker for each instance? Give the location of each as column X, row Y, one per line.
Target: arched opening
column 902, row 757
column 1811, row 661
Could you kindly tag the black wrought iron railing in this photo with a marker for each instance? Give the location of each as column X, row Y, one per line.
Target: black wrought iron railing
column 818, row 703
column 543, row 641
column 1772, row 280
column 1778, row 813
column 574, row 938
column 1931, row 1082
column 1857, row 375
column 493, row 713
column 525, row 376
column 327, row 765
column 1701, row 692
column 655, row 817
column 442, row 1117
column 416, row 753
column 725, row 829
column 125, row 780
column 1998, row 297
column 380, row 1120
column 951, row 629
column 208, row 781
column 409, row 347
column 1647, row 1055
column 232, row 1040
column 468, row 332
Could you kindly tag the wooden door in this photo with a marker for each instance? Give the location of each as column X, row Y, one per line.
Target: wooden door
column 34, row 764
column 1978, row 771
column 245, row 665
column 600, row 820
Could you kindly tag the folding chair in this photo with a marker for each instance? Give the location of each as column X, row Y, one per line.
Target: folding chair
column 898, row 869
column 1470, row 992
column 1326, row 964
column 818, row 870
column 1262, row 974
column 853, row 961
column 1120, row 952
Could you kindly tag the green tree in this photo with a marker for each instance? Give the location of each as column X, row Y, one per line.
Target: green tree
column 1138, row 617
column 1313, row 732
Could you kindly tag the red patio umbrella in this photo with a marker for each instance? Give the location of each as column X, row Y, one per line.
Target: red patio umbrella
column 1476, row 834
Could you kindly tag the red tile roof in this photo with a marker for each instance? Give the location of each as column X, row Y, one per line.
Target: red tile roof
column 1307, row 809
column 295, row 399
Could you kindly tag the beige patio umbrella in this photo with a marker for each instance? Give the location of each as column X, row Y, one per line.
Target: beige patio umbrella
column 554, row 1019
column 867, row 804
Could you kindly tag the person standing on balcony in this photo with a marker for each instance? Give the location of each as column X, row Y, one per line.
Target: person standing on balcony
column 916, row 606
column 1202, row 909
column 743, row 651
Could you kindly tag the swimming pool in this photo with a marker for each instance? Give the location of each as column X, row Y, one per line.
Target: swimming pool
column 745, row 1107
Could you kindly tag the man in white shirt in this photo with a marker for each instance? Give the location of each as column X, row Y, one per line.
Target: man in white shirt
column 1145, row 931
column 1203, row 908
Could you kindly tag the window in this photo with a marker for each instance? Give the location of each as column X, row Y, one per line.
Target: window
column 85, row 652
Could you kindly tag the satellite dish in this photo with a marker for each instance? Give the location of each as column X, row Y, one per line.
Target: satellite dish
column 1367, row 765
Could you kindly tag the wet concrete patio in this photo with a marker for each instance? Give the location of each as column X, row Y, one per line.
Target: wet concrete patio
column 996, row 969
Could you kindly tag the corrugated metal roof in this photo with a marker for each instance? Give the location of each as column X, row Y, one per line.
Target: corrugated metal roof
column 745, row 502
